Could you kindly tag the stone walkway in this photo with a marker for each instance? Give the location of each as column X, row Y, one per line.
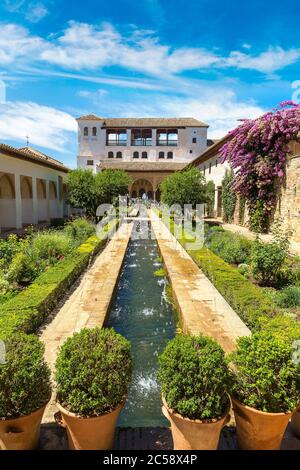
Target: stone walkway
column 202, row 308
column 89, row 304
column 239, row 230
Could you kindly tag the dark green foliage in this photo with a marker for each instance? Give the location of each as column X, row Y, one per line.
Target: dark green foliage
column 24, row 378
column 210, row 198
column 228, row 197
column 184, row 187
column 242, row 207
column 93, row 371
column 79, row 229
column 288, row 297
column 87, row 191
column 268, row 259
column 194, row 377
column 232, row 248
column 266, row 376
column 81, row 190
column 111, row 184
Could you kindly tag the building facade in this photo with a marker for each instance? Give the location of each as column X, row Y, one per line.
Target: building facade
column 135, row 139
column 32, row 188
column 149, row 149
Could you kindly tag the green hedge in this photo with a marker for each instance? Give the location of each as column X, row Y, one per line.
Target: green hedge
column 248, row 300
column 27, row 310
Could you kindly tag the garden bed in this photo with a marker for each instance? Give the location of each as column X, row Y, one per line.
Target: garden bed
column 252, row 303
column 28, row 309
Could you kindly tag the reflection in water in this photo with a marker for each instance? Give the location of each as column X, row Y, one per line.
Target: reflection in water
column 141, row 312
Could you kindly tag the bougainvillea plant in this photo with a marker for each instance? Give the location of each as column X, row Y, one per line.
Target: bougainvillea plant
column 257, row 152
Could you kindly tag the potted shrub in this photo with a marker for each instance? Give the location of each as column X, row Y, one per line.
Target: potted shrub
column 265, row 389
column 25, row 389
column 93, row 371
column 194, row 378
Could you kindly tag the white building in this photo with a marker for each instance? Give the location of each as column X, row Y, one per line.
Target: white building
column 214, row 170
column 138, row 139
column 31, row 187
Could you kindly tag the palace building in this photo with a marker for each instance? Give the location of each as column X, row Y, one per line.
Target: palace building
column 148, row 149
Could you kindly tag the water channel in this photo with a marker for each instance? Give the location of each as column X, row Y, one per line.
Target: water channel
column 143, row 314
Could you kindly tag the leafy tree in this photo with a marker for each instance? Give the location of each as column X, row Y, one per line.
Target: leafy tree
column 82, row 190
column 184, row 187
column 112, row 183
column 87, row 190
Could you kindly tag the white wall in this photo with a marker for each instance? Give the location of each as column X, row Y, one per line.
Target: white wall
column 16, row 212
column 94, row 147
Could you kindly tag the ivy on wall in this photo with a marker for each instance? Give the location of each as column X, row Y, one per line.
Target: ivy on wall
column 228, row 197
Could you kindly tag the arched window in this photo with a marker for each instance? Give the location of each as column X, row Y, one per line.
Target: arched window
column 161, row 155
column 86, row 131
column 119, row 155
column 144, row 155
column 135, row 154
column 170, row 154
column 110, row 154
column 94, row 131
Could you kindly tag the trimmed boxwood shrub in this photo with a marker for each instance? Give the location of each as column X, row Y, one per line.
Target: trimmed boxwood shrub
column 248, row 300
column 27, row 310
column 194, row 377
column 93, row 371
column 265, row 375
column 24, row 378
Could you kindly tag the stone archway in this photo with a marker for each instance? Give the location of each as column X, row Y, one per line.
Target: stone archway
column 7, row 201
column 27, row 200
column 141, row 186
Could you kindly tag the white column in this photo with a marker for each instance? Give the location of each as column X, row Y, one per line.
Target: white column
column 128, row 137
column 35, row 200
column 154, row 134
column 47, row 201
column 18, row 201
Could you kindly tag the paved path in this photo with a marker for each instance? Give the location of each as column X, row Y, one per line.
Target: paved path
column 202, row 307
column 88, row 305
column 238, row 229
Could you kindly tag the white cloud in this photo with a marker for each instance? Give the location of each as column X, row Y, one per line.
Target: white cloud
column 46, row 127
column 36, row 12
column 84, row 46
column 275, row 58
column 17, row 43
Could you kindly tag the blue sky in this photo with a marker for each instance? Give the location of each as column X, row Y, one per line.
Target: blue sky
column 216, row 61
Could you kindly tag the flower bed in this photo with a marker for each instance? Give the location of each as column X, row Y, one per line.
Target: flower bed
column 27, row 310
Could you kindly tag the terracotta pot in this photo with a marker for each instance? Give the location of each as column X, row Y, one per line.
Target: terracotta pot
column 258, row 430
column 96, row 433
column 21, row 433
column 191, row 434
column 295, row 423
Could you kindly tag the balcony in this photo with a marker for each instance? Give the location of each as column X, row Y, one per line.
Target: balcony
column 112, row 142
